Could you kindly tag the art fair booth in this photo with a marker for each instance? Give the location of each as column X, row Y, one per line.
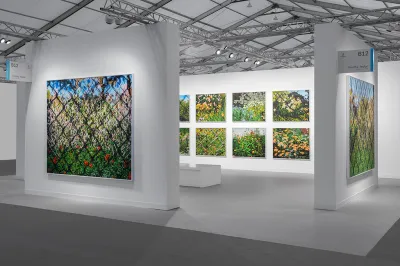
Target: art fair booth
column 248, row 154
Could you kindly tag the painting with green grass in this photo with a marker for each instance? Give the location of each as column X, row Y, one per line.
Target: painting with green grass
column 184, row 110
column 211, row 141
column 248, row 142
column 210, row 107
column 291, row 106
column 361, row 126
column 248, row 107
column 184, row 141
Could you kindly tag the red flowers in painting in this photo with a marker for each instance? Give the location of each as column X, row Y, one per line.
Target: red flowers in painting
column 86, row 163
column 107, row 157
column 55, row 160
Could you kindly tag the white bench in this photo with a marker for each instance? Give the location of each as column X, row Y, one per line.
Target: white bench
column 200, row 175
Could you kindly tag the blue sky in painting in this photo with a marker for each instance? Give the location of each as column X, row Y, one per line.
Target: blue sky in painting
column 114, row 85
column 184, row 97
column 361, row 89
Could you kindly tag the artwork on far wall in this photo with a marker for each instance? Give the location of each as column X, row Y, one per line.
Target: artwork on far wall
column 89, row 126
column 248, row 142
column 361, row 126
column 184, row 141
column 291, row 106
column 248, row 107
column 184, row 110
column 211, row 141
column 291, row 143
column 210, row 107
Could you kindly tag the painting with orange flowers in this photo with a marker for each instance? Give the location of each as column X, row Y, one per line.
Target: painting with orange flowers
column 248, row 142
column 89, row 126
column 210, row 107
column 292, row 143
column 211, row 141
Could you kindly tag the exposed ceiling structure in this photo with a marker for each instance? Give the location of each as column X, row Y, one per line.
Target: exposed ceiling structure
column 216, row 35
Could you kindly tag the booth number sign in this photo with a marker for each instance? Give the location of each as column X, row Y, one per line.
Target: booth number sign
column 356, row 61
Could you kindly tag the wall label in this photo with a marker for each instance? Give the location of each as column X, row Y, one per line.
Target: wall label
column 18, row 71
column 356, row 61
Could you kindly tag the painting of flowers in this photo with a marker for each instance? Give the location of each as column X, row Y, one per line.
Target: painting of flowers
column 248, row 106
column 292, row 143
column 210, row 107
column 184, row 140
column 291, row 106
column 361, row 126
column 89, row 126
column 211, row 141
column 249, row 142
column 184, row 110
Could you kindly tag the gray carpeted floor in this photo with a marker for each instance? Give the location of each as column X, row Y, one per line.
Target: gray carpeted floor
column 40, row 237
column 388, row 247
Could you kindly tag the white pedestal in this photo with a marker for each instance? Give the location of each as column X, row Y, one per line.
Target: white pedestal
column 200, row 175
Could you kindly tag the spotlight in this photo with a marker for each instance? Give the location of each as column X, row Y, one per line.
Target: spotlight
column 218, row 52
column 275, row 17
column 246, row 59
column 3, row 40
column 390, row 28
column 249, row 5
column 118, row 21
column 8, row 42
column 231, row 55
column 225, row 47
column 257, row 62
column 109, row 19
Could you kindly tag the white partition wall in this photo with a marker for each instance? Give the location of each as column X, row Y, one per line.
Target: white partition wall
column 151, row 54
column 8, row 127
column 332, row 188
column 255, row 81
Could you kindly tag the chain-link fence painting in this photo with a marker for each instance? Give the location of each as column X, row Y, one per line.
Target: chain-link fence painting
column 248, row 106
column 210, row 107
column 184, row 110
column 89, row 126
column 248, row 142
column 184, row 141
column 291, row 106
column 361, row 127
column 211, row 141
column 292, row 143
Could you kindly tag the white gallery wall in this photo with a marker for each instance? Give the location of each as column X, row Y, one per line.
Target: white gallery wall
column 263, row 81
column 332, row 188
column 151, row 54
column 389, row 121
column 8, row 121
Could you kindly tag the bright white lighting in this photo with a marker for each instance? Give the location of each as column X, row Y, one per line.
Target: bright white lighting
column 2, row 40
column 231, row 55
column 218, row 52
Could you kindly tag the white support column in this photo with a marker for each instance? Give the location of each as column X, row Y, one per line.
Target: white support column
column 23, row 90
column 331, row 187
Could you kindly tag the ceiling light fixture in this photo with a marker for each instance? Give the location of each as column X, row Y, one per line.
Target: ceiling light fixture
column 249, row 5
column 231, row 55
column 109, row 19
column 225, row 47
column 390, row 28
column 8, row 42
column 218, row 52
column 246, row 59
column 257, row 62
column 2, row 40
column 118, row 21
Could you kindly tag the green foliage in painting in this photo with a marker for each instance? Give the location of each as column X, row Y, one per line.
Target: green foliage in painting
column 248, row 106
column 184, row 110
column 184, row 140
column 292, row 143
column 249, row 142
column 89, row 126
column 291, row 105
column 362, row 142
column 210, row 107
column 211, row 141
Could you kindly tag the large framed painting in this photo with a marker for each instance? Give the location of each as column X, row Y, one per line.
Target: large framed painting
column 211, row 142
column 89, row 131
column 211, row 107
column 291, row 106
column 184, row 141
column 248, row 107
column 291, row 143
column 248, row 142
column 361, row 127
column 184, row 108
